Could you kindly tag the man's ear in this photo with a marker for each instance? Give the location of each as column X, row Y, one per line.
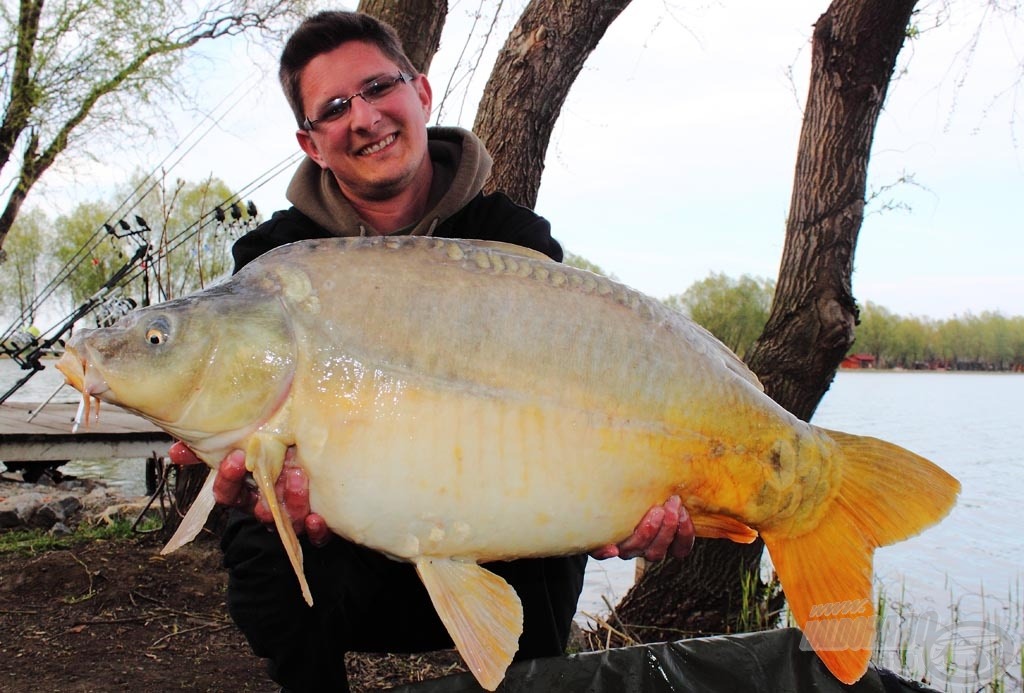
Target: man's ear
column 422, row 86
column 306, row 143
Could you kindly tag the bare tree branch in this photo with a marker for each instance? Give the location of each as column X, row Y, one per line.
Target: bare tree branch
column 80, row 65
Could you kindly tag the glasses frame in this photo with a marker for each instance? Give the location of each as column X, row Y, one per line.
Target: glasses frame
column 346, row 102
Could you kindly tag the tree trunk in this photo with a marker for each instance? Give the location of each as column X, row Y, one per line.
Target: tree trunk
column 811, row 324
column 529, row 83
column 419, row 25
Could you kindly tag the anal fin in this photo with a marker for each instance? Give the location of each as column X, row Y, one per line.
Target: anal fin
column 481, row 611
column 723, row 527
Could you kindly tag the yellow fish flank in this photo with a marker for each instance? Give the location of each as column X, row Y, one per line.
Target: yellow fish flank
column 457, row 402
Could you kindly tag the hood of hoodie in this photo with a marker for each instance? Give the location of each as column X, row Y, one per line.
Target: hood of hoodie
column 461, row 166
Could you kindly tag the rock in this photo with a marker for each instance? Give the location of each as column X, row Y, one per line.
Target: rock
column 60, row 530
column 55, row 510
column 8, row 517
column 44, row 480
column 18, row 509
column 44, row 507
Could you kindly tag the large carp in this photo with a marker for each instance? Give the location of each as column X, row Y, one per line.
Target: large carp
column 457, row 402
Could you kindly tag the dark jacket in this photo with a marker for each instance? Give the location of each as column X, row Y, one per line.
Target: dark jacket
column 491, row 217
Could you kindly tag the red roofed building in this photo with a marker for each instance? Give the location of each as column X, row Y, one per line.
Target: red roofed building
column 858, row 361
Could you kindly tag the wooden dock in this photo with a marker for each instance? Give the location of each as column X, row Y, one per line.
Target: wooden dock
column 48, row 437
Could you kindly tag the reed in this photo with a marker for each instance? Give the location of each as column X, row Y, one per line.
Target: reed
column 975, row 646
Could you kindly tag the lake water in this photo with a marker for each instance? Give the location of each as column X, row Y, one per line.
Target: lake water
column 960, row 580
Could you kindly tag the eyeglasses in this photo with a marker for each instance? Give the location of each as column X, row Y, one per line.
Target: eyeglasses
column 371, row 93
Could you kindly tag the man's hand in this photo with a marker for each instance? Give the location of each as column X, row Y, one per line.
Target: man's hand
column 665, row 529
column 232, row 487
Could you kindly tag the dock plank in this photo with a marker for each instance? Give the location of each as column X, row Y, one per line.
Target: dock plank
column 48, row 436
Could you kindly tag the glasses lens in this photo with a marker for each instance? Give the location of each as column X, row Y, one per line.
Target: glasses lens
column 380, row 88
column 334, row 110
column 373, row 91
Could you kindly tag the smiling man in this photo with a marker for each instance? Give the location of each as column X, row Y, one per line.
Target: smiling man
column 373, row 141
column 375, row 168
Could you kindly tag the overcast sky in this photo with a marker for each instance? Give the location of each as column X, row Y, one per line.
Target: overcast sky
column 673, row 157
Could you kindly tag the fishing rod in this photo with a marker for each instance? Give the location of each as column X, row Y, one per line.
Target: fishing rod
column 31, row 359
column 26, row 348
column 181, row 149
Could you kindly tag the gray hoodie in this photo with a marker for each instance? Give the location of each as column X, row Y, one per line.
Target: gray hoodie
column 461, row 166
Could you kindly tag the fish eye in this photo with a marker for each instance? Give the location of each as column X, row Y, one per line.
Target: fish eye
column 157, row 333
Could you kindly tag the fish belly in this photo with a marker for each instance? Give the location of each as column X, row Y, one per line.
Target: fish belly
column 443, row 473
column 485, row 479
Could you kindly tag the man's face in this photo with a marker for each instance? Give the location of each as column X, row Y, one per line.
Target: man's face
column 375, row 150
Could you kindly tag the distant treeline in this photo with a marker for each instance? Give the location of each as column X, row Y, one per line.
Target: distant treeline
column 736, row 310
column 985, row 342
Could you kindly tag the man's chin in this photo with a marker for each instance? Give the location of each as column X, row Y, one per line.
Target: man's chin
column 382, row 187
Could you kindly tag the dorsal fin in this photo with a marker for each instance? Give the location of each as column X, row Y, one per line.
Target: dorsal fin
column 513, row 249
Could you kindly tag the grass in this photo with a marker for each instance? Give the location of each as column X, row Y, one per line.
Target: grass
column 33, row 541
column 756, row 596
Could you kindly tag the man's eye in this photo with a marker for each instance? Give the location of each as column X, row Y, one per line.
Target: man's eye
column 335, row 109
column 377, row 89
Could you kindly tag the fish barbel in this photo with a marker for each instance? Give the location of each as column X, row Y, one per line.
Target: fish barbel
column 458, row 402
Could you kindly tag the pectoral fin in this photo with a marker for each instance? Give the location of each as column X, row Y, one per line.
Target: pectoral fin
column 192, row 524
column 481, row 611
column 264, row 456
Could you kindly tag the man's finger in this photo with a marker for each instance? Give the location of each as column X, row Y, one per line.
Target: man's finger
column 643, row 534
column 605, row 552
column 659, row 546
column 261, row 511
column 293, row 490
column 685, row 537
column 317, row 530
column 229, row 487
column 181, row 454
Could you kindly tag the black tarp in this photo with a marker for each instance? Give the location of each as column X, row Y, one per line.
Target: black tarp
column 768, row 662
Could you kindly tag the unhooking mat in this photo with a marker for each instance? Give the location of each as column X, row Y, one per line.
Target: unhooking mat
column 767, row 662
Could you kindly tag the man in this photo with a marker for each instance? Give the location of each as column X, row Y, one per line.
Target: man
column 374, row 168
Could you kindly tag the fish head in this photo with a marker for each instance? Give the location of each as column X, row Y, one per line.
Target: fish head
column 208, row 368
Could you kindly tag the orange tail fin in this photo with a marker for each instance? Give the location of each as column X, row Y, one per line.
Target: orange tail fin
column 888, row 494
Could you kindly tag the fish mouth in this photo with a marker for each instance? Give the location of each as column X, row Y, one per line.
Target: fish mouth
column 73, row 368
column 88, row 381
column 78, row 374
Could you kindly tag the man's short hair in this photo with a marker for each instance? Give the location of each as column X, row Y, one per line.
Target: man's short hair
column 322, row 33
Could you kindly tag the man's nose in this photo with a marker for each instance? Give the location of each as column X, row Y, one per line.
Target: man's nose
column 362, row 113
